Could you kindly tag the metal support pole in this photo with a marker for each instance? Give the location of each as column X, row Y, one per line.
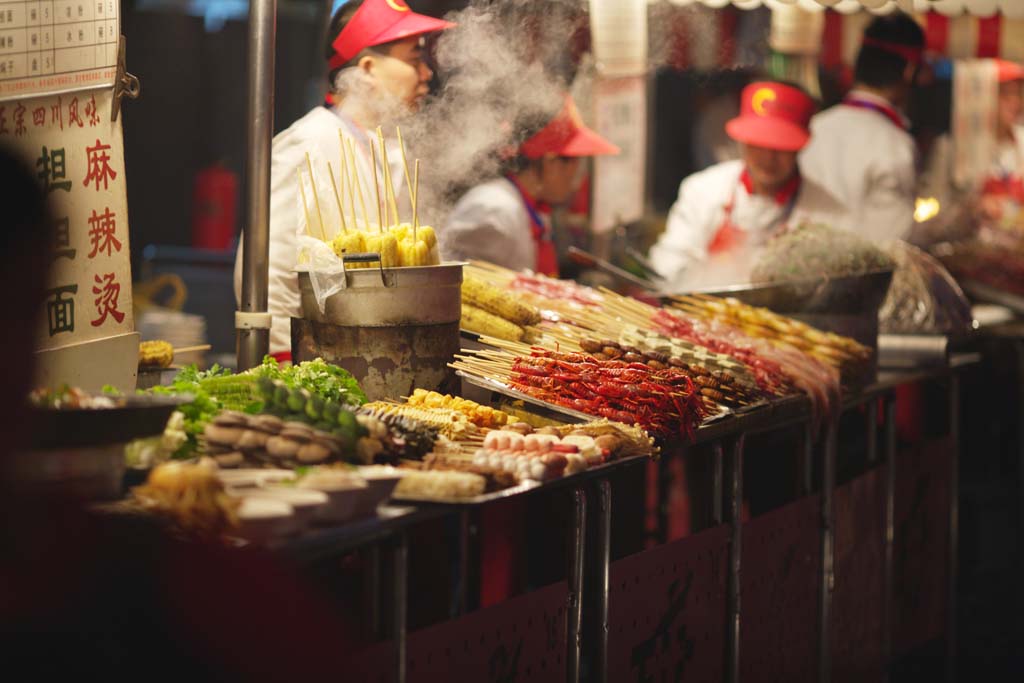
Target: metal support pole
column 828, row 482
column 252, row 323
column 807, row 461
column 575, row 617
column 400, row 561
column 890, row 534
column 603, row 560
column 872, row 428
column 732, row 663
column 373, row 588
column 954, row 526
column 717, row 484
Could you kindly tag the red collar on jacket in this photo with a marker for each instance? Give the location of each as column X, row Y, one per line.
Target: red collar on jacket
column 784, row 195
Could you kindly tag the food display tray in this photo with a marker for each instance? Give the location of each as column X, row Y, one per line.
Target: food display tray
column 574, row 416
column 137, row 417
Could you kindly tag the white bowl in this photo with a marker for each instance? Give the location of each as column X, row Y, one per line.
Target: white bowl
column 305, row 502
column 380, row 484
column 252, row 477
column 343, row 495
column 262, row 520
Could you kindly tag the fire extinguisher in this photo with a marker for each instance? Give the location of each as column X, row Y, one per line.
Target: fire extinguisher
column 214, row 207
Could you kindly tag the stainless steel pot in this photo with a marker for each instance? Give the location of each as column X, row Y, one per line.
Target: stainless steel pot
column 394, row 329
column 386, row 297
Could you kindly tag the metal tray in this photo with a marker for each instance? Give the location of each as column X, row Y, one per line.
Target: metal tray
column 574, row 415
column 138, row 417
column 830, row 296
column 994, row 295
column 474, row 500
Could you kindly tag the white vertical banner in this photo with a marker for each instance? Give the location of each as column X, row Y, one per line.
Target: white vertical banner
column 620, row 115
column 975, row 88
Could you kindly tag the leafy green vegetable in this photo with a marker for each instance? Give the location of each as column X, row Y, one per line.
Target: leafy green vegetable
column 318, row 377
column 212, row 391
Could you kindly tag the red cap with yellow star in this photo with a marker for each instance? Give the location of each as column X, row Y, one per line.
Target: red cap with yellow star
column 377, row 22
column 774, row 116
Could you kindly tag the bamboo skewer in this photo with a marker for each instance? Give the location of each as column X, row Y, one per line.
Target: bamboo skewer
column 376, row 185
column 351, row 179
column 337, row 197
column 389, row 188
column 358, row 183
column 316, row 197
column 415, row 200
column 405, row 162
column 305, row 207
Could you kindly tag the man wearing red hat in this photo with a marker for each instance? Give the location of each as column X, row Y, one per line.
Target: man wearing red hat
column 861, row 149
column 724, row 212
column 504, row 220
column 377, row 75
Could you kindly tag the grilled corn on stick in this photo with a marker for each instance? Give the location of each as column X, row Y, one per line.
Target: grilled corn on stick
column 482, row 322
column 155, row 354
column 489, row 298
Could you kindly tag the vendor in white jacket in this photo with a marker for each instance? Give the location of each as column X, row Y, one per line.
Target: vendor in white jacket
column 724, row 213
column 861, row 148
column 504, row 220
column 377, row 74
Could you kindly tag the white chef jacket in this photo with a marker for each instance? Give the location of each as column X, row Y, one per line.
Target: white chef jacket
column 868, row 162
column 700, row 210
column 490, row 223
column 317, row 134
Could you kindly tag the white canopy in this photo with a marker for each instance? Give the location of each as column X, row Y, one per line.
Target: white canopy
column 979, row 8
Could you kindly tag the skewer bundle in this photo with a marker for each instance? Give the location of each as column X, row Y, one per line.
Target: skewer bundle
column 665, row 402
column 829, row 347
column 400, row 244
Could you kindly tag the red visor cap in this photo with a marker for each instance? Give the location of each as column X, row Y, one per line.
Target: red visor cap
column 773, row 116
column 1009, row 71
column 566, row 136
column 377, row 22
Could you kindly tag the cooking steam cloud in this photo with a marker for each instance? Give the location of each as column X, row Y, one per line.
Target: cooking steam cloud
column 493, row 85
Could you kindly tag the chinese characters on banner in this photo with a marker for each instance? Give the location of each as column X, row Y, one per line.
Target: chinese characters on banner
column 53, row 46
column 78, row 157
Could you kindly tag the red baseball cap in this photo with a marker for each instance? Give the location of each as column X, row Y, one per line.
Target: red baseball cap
column 566, row 136
column 377, row 22
column 1009, row 71
column 774, row 116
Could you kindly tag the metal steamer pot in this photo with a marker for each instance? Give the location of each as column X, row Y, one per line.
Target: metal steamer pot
column 394, row 329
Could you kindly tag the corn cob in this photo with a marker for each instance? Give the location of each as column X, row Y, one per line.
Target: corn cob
column 155, row 354
column 489, row 298
column 413, row 253
column 426, row 233
column 482, row 322
column 348, row 243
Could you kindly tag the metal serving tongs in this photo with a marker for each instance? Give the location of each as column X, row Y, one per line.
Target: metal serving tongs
column 655, row 284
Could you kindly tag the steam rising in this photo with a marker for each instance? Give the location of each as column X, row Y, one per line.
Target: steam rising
column 493, row 86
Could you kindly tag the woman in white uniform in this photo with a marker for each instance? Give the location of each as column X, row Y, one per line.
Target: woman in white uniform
column 504, row 220
column 377, row 74
column 724, row 213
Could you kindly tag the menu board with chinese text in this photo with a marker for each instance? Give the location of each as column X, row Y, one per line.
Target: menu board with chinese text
column 56, row 46
column 78, row 157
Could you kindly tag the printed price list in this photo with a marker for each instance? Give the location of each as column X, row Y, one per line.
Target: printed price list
column 57, row 45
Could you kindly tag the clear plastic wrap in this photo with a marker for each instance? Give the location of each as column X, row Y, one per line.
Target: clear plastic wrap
column 923, row 298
